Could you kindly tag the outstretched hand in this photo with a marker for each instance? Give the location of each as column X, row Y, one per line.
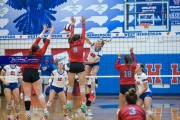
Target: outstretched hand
column 131, row 49
column 45, row 28
column 73, row 20
column 83, row 20
column 119, row 55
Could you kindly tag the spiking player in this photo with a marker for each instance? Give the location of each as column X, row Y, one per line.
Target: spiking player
column 57, row 87
column 92, row 63
column 10, row 85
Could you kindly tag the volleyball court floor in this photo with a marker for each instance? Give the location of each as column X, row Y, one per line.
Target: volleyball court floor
column 104, row 108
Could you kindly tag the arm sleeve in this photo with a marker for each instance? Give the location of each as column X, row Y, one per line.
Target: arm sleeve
column 133, row 59
column 144, row 78
column 44, row 48
column 4, row 68
column 36, row 41
column 72, row 29
column 83, row 31
column 117, row 63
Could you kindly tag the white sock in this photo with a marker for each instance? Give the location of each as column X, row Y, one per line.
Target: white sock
column 84, row 103
column 45, row 110
column 27, row 112
column 92, row 92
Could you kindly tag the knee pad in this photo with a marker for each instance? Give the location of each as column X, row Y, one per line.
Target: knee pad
column 17, row 106
column 82, row 88
column 40, row 96
column 149, row 112
column 27, row 98
column 87, row 96
column 88, row 103
column 49, row 103
column 92, row 79
column 8, row 107
column 70, row 89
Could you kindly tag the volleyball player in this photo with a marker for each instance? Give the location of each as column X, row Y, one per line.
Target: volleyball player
column 31, row 76
column 127, row 80
column 10, row 85
column 144, row 93
column 57, row 87
column 92, row 63
column 76, row 43
column 131, row 111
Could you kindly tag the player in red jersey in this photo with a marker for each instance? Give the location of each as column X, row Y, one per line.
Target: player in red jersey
column 76, row 43
column 31, row 75
column 127, row 80
column 131, row 111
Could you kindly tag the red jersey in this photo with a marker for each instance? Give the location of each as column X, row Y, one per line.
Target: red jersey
column 132, row 112
column 126, row 71
column 77, row 47
column 40, row 52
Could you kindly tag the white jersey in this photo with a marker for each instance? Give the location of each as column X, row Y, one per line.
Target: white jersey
column 11, row 72
column 93, row 53
column 140, row 79
column 59, row 81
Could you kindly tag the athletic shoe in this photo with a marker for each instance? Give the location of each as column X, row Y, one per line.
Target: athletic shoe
column 46, row 115
column 83, row 108
column 67, row 118
column 89, row 113
column 68, row 106
column 28, row 117
column 17, row 117
column 91, row 98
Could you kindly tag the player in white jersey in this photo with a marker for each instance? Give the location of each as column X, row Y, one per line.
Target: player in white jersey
column 143, row 91
column 92, row 64
column 10, row 84
column 58, row 80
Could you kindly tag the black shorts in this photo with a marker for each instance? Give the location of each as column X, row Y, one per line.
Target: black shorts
column 30, row 75
column 76, row 67
column 125, row 88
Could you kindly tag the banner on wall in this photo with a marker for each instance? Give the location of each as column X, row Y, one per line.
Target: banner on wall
column 102, row 17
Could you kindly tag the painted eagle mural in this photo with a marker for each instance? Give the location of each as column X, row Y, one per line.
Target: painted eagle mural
column 38, row 12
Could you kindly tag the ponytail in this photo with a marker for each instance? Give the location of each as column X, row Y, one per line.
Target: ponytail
column 103, row 41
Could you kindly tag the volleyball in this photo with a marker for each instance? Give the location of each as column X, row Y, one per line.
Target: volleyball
column 67, row 27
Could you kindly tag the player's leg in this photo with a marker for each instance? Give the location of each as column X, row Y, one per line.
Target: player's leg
column 15, row 93
column 94, row 73
column 147, row 105
column 81, row 77
column 62, row 96
column 87, row 71
column 71, row 77
column 88, row 102
column 7, row 93
column 51, row 97
column 46, row 82
column 27, row 98
column 37, row 85
column 20, row 88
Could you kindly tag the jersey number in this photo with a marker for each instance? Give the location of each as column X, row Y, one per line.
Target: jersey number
column 75, row 49
column 132, row 110
column 59, row 79
column 127, row 74
column 12, row 73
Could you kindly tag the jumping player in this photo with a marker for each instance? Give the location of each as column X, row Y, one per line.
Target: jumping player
column 92, row 63
column 10, row 85
column 131, row 111
column 57, row 87
column 76, row 43
column 31, row 76
column 144, row 93
column 127, row 71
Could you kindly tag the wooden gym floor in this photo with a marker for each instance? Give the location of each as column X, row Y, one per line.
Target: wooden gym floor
column 104, row 108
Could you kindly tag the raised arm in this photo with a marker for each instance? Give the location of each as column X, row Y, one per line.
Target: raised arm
column 133, row 57
column 83, row 20
column 40, row 36
column 73, row 20
column 117, row 65
column 43, row 50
